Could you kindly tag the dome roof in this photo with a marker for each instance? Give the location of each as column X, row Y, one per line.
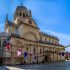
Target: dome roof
column 21, row 7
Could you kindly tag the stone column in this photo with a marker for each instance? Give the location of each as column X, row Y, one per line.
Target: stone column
column 12, row 55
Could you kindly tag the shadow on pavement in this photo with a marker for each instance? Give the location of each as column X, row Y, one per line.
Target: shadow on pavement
column 29, row 66
column 4, row 68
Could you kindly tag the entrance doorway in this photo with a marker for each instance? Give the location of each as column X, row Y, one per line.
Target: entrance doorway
column 1, row 60
column 46, row 58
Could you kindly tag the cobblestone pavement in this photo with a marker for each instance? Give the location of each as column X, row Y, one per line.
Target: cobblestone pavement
column 45, row 66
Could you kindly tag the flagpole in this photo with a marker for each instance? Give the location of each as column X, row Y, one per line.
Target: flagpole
column 11, row 55
column 2, row 48
column 30, row 53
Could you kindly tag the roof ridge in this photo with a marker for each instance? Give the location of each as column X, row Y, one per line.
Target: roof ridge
column 46, row 34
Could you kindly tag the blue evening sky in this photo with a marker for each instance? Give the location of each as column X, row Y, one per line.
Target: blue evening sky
column 51, row 16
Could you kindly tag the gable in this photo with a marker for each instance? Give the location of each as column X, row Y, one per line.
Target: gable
column 29, row 21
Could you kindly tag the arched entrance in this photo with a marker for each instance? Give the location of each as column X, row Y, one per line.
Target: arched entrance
column 1, row 61
column 46, row 58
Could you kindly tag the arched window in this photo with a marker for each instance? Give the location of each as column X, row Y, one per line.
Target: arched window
column 26, row 15
column 34, row 50
column 17, row 13
column 30, row 21
column 23, row 15
column 52, row 41
column 0, row 42
column 21, row 22
column 40, row 50
column 27, row 49
column 35, row 57
column 20, row 14
column 45, row 40
column 40, row 38
column 56, row 42
column 49, row 40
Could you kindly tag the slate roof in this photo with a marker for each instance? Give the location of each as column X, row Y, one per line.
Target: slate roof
column 5, row 34
column 45, row 34
column 23, row 8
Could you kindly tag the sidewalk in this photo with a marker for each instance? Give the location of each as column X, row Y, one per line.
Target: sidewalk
column 9, row 68
column 14, row 68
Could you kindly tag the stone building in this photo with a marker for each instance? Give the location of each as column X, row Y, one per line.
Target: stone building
column 25, row 36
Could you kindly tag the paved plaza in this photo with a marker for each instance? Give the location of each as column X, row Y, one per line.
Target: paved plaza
column 45, row 66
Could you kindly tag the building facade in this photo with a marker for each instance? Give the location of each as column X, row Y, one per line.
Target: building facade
column 27, row 43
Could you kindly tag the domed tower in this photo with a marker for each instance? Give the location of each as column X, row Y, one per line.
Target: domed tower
column 24, row 16
column 25, row 23
column 22, row 13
